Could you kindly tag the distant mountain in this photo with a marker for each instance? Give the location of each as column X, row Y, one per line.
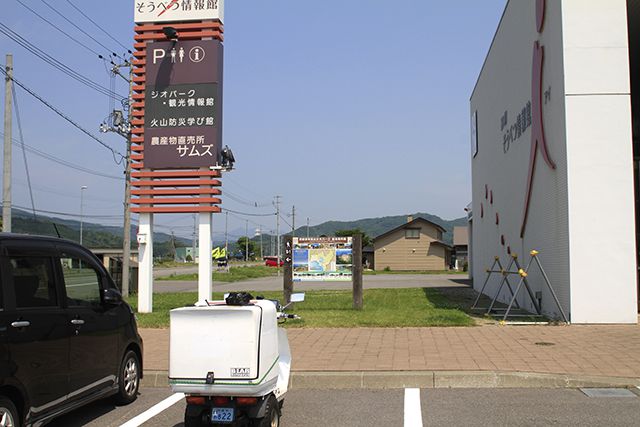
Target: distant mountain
column 102, row 236
column 376, row 226
column 93, row 235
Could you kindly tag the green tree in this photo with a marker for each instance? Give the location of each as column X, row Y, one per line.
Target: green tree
column 253, row 249
column 366, row 240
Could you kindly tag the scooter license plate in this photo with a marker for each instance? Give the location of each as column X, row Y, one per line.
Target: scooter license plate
column 222, row 415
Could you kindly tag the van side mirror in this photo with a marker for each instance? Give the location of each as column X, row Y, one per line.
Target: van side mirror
column 112, row 297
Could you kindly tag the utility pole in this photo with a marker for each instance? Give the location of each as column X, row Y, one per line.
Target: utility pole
column 226, row 239
column 271, row 236
column 293, row 221
column 6, row 176
column 126, row 236
column 277, row 203
column 226, row 234
column 307, row 227
column 246, row 241
column 173, row 245
column 123, row 128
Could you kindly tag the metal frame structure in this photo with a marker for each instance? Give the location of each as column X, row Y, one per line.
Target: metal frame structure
column 523, row 273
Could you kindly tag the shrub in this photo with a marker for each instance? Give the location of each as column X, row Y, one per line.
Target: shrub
column 387, row 268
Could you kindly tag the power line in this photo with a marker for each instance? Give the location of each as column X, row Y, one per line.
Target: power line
column 283, row 220
column 58, row 112
column 24, row 154
column 247, row 214
column 228, row 178
column 17, row 38
column 244, row 201
column 70, row 214
column 78, row 28
column 57, row 28
column 99, row 27
column 62, row 162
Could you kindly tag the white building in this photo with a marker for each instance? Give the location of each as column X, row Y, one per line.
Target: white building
column 555, row 142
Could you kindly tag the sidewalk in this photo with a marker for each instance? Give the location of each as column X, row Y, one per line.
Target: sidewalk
column 483, row 356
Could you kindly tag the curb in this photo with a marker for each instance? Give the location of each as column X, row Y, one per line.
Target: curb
column 430, row 379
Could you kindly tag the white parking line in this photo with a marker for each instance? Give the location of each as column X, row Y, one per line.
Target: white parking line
column 412, row 409
column 154, row 410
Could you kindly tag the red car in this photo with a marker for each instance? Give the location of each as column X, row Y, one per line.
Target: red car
column 272, row 261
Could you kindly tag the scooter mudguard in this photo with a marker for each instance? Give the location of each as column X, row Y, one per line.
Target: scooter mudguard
column 284, row 364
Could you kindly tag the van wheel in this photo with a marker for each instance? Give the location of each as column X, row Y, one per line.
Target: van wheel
column 8, row 413
column 272, row 415
column 129, row 379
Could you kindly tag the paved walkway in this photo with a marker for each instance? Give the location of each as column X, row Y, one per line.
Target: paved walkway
column 611, row 350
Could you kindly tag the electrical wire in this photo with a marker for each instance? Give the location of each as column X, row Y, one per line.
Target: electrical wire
column 263, row 204
column 17, row 38
column 99, row 27
column 49, row 191
column 58, row 112
column 24, row 154
column 58, row 29
column 79, row 29
column 245, row 201
column 285, row 221
column 73, row 215
column 247, row 214
column 62, row 162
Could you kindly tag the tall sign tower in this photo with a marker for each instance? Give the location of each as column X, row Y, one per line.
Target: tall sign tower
column 176, row 124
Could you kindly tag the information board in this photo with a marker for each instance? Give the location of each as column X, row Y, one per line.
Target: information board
column 318, row 259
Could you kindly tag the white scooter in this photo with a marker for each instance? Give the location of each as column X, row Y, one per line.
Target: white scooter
column 231, row 360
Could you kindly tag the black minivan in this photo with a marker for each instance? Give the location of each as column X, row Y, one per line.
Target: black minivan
column 66, row 335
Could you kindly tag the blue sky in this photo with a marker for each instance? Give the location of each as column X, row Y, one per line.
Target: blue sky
column 347, row 109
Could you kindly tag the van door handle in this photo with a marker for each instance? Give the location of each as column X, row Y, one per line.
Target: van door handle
column 77, row 322
column 21, row 324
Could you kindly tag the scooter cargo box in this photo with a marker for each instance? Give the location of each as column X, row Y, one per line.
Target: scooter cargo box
column 222, row 349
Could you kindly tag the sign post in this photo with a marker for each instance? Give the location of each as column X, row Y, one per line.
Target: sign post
column 357, row 272
column 288, row 268
column 145, row 267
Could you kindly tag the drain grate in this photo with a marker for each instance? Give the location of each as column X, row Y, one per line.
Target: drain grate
column 607, row 392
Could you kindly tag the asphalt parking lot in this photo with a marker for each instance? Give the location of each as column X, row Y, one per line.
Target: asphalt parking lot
column 400, row 407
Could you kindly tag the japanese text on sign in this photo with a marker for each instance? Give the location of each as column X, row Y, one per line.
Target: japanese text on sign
column 511, row 133
column 178, row 10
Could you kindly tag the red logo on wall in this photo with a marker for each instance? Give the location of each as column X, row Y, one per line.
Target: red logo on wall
column 538, row 140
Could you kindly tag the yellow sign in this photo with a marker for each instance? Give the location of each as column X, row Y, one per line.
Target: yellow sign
column 218, row 253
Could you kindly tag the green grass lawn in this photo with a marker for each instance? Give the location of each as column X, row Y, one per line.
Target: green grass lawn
column 333, row 309
column 235, row 274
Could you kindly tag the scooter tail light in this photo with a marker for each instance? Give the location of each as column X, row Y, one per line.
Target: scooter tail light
column 221, row 400
column 246, row 401
column 196, row 400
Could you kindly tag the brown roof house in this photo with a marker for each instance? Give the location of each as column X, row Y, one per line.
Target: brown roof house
column 415, row 245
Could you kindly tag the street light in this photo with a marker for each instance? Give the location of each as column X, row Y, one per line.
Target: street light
column 84, row 187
